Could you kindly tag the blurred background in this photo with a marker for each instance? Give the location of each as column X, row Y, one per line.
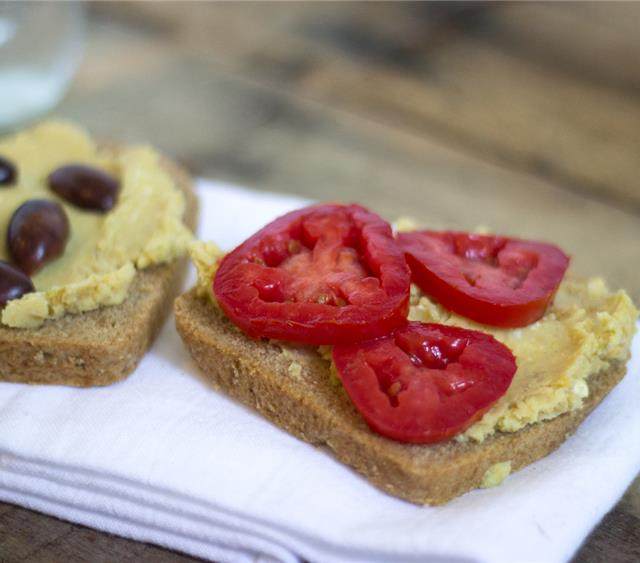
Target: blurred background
column 522, row 117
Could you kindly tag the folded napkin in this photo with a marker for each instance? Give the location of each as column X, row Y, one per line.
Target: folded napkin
column 163, row 458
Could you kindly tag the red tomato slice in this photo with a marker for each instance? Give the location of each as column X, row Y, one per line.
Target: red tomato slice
column 320, row 275
column 493, row 280
column 425, row 382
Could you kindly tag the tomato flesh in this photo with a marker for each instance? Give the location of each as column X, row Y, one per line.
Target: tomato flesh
column 324, row 274
column 493, row 280
column 425, row 383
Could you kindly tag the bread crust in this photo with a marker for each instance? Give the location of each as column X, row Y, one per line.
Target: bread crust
column 309, row 405
column 103, row 346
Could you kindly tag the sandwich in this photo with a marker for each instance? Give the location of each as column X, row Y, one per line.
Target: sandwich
column 431, row 362
column 92, row 253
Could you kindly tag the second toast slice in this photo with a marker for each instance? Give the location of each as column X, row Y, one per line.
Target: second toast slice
column 102, row 346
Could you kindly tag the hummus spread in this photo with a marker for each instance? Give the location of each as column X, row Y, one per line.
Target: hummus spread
column 496, row 474
column 205, row 257
column 100, row 260
column 586, row 329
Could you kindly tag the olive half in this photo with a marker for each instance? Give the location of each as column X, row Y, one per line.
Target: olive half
column 13, row 283
column 8, row 173
column 38, row 233
column 85, row 186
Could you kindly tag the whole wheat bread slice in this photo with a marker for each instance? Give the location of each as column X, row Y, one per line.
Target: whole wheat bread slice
column 309, row 404
column 102, row 346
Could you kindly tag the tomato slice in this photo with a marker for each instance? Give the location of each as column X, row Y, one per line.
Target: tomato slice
column 425, row 382
column 493, row 280
column 320, row 275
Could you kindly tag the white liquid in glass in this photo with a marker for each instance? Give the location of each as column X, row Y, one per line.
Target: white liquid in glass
column 40, row 48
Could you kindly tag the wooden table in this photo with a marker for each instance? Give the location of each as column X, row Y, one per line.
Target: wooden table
column 524, row 117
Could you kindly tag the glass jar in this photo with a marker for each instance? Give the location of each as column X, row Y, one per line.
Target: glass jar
column 40, row 49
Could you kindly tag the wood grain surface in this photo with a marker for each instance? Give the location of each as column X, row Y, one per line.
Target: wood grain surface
column 521, row 117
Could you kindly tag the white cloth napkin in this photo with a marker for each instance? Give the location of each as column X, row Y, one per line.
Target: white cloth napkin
column 163, row 458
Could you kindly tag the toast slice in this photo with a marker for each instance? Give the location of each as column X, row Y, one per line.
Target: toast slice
column 102, row 346
column 294, row 389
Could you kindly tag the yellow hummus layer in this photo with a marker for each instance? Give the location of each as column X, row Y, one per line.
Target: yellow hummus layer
column 205, row 257
column 99, row 263
column 496, row 474
column 585, row 330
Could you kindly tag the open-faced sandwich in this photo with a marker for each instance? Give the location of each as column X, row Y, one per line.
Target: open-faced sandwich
column 90, row 255
column 431, row 362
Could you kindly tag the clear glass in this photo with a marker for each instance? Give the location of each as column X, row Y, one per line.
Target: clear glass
column 40, row 49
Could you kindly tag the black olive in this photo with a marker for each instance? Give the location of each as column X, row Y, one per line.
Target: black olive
column 85, row 186
column 13, row 283
column 38, row 233
column 8, row 173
